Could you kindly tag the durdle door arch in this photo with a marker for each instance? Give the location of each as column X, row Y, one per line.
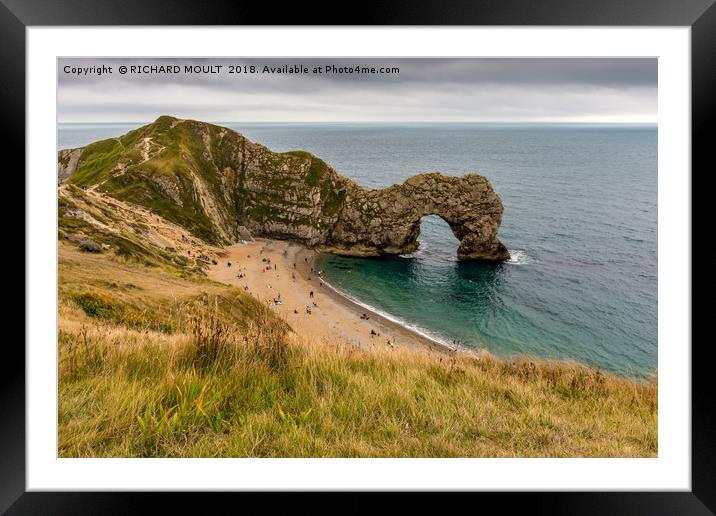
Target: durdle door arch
column 387, row 221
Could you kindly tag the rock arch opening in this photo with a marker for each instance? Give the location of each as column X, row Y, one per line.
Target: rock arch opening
column 436, row 239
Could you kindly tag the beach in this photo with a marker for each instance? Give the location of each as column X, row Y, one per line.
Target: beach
column 282, row 275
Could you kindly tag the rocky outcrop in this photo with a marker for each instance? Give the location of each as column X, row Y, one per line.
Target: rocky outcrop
column 387, row 221
column 67, row 160
column 213, row 181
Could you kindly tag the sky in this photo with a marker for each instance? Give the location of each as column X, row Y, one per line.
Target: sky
column 592, row 90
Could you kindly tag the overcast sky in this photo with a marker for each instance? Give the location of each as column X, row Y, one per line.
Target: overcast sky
column 480, row 90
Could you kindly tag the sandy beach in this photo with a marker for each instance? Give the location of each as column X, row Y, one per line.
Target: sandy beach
column 274, row 270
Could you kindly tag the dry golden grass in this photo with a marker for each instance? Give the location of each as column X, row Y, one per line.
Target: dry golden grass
column 153, row 364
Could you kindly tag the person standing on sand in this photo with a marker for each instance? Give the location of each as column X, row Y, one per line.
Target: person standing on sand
column 311, row 294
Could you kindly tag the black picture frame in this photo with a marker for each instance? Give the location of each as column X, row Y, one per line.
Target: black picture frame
column 699, row 15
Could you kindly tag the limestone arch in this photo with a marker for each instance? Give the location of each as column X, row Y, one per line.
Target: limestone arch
column 387, row 221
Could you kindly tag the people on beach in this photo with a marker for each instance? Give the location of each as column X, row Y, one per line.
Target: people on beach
column 372, row 333
column 311, row 294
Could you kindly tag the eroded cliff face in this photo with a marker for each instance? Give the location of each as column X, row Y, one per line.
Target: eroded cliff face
column 212, row 181
column 67, row 160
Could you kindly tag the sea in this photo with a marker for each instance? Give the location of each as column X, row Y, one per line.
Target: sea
column 580, row 220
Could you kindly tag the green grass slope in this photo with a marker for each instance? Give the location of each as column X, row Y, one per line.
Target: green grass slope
column 157, row 363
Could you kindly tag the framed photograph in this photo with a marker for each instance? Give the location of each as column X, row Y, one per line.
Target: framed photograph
column 448, row 250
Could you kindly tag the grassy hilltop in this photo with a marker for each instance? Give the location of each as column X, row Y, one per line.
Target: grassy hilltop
column 205, row 178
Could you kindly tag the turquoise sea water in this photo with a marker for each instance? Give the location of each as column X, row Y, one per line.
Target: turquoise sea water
column 580, row 220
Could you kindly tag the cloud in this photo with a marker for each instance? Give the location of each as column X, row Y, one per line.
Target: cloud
column 535, row 89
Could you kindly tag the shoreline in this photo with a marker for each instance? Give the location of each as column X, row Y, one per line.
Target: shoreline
column 336, row 316
column 384, row 320
column 333, row 313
